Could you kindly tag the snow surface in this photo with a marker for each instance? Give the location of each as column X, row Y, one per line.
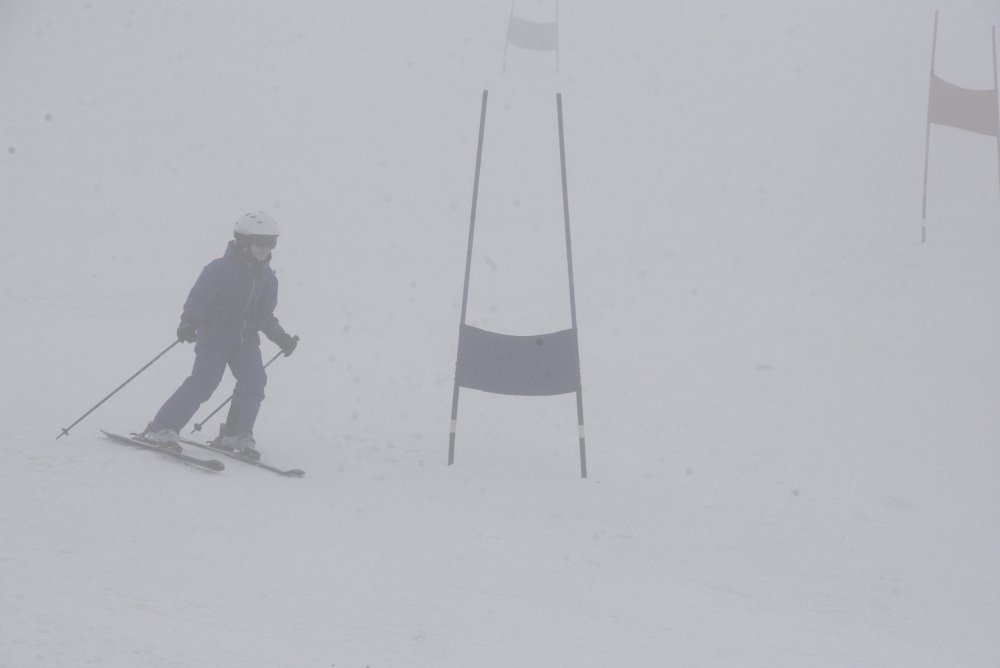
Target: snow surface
column 791, row 402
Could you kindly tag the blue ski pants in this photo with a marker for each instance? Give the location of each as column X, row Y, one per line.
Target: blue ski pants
column 210, row 362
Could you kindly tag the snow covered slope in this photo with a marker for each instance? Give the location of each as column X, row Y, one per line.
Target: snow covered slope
column 791, row 401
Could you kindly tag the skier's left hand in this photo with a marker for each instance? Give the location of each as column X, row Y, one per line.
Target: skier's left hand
column 288, row 344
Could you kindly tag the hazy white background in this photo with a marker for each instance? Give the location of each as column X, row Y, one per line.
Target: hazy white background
column 791, row 402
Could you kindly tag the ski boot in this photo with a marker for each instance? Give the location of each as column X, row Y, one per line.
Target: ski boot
column 165, row 439
column 241, row 445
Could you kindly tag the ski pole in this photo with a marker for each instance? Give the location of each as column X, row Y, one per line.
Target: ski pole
column 198, row 425
column 65, row 431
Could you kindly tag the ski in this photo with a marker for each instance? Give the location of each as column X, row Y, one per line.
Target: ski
column 207, row 464
column 295, row 473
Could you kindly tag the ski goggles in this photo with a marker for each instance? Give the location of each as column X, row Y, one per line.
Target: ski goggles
column 263, row 240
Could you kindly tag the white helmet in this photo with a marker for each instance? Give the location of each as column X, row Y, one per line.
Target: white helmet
column 257, row 222
column 256, row 227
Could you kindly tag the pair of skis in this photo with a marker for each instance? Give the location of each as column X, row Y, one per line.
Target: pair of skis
column 207, row 464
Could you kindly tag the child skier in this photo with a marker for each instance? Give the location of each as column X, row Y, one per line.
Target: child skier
column 233, row 299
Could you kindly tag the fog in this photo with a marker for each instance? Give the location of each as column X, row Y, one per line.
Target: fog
column 789, row 372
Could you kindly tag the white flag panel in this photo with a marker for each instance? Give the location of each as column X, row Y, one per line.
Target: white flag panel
column 533, row 35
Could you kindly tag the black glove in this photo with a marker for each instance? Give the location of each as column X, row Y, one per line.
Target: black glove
column 186, row 332
column 287, row 343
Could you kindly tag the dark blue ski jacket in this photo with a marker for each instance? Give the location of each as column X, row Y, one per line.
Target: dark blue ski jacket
column 233, row 299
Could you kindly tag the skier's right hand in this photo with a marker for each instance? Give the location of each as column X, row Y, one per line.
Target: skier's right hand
column 187, row 332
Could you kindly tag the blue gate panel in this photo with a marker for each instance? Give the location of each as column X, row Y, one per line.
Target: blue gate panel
column 540, row 365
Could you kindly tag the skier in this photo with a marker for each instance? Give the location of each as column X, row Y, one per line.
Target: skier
column 233, row 299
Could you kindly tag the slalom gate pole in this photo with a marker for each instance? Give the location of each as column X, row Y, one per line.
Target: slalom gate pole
column 65, row 431
column 572, row 288
column 927, row 144
column 996, row 91
column 468, row 265
column 199, row 425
